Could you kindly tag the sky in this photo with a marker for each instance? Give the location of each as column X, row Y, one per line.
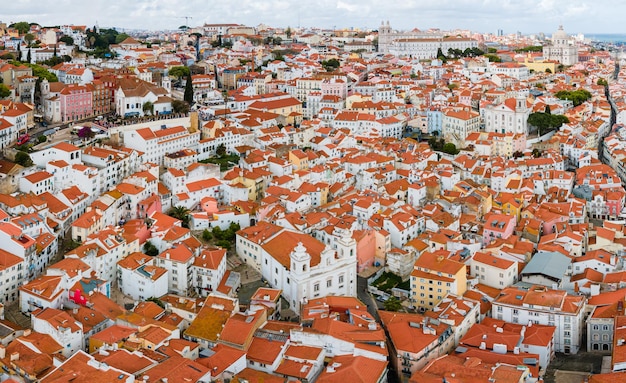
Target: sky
column 531, row 16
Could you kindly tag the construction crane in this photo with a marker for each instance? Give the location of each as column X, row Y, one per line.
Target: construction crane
column 186, row 20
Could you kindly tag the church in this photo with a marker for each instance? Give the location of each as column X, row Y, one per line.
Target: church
column 562, row 49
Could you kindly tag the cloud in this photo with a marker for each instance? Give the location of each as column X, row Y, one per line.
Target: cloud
column 600, row 16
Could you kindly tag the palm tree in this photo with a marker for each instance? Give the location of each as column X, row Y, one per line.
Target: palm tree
column 181, row 213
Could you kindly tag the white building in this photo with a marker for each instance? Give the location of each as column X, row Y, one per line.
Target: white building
column 298, row 264
column 511, row 116
column 138, row 278
column 563, row 49
column 457, row 125
column 60, row 325
column 157, row 143
column 493, row 271
column 540, row 305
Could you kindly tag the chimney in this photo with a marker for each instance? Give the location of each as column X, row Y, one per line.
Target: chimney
column 145, row 378
column 15, row 356
column 3, row 352
column 27, row 332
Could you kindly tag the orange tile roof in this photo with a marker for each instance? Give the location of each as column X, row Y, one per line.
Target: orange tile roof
column 353, row 369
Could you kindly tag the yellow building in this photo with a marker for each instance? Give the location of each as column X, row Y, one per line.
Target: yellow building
column 540, row 65
column 434, row 276
column 299, row 159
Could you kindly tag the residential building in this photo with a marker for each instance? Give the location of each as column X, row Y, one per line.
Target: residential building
column 434, row 276
column 541, row 305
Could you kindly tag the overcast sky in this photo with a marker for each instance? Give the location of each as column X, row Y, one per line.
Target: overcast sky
column 532, row 16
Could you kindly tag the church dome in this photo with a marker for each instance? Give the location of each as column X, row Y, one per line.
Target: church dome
column 560, row 34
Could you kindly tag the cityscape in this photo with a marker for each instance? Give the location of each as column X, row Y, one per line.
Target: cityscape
column 254, row 203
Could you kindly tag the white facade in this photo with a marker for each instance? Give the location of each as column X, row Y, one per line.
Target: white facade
column 567, row 313
column 61, row 327
column 563, row 49
column 286, row 261
column 511, row 116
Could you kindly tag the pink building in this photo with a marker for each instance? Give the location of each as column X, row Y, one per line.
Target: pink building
column 365, row 248
column 76, row 103
column 498, row 226
column 335, row 87
column 149, row 206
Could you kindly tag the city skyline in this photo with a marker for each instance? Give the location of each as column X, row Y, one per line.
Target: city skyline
column 485, row 16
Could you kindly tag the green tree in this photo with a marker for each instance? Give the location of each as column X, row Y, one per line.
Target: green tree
column 181, row 213
column 331, row 65
column 121, row 37
column 150, row 249
column 67, row 40
column 22, row 158
column 188, row 96
column 22, row 27
column 493, row 58
column 602, row 81
column 224, row 244
column 157, row 301
column 148, row 108
column 548, row 110
column 28, row 56
column 179, row 106
column 29, row 38
column 42, row 138
column 392, row 304
column 4, row 91
column 450, row 148
column 218, row 233
column 576, row 96
column 492, row 50
column 220, row 150
column 206, row 235
column 179, row 72
column 548, row 70
column 288, row 32
column 441, row 56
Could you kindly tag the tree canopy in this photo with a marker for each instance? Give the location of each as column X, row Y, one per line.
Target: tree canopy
column 179, row 106
column 22, row 27
column 493, row 58
column 121, row 37
column 545, row 122
column 530, row 48
column 179, row 71
column 23, row 159
column 4, row 91
column 67, row 40
column 331, row 65
column 181, row 213
column 39, row 71
column 576, row 96
column 392, row 304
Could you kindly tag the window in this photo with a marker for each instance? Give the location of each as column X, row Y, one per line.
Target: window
column 329, row 283
column 341, row 279
column 316, row 287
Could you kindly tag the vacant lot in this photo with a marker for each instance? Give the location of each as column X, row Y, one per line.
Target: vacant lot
column 583, row 362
